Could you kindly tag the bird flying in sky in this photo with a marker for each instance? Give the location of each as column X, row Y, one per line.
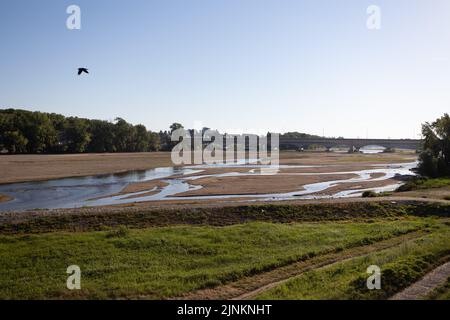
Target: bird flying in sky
column 81, row 70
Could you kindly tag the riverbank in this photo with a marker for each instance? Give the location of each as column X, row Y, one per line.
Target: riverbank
column 301, row 175
column 24, row 168
column 98, row 218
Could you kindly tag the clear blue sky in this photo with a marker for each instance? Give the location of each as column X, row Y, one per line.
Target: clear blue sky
column 235, row 65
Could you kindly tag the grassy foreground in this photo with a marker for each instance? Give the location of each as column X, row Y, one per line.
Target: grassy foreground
column 97, row 220
column 400, row 267
column 442, row 292
column 166, row 254
column 168, row 261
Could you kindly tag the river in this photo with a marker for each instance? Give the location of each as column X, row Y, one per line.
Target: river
column 81, row 191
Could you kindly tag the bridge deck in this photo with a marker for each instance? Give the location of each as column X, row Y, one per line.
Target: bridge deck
column 357, row 143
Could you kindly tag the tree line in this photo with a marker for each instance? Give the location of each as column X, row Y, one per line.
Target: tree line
column 434, row 160
column 31, row 132
column 24, row 131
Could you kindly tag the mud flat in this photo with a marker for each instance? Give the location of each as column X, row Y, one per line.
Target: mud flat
column 21, row 168
column 5, row 198
column 321, row 158
column 152, row 187
column 314, row 175
column 258, row 184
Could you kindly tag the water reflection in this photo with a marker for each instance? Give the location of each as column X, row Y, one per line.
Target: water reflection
column 372, row 149
column 74, row 192
column 79, row 192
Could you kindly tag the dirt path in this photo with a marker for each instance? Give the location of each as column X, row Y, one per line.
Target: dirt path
column 249, row 287
column 423, row 287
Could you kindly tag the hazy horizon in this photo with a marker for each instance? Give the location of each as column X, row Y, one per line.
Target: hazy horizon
column 235, row 66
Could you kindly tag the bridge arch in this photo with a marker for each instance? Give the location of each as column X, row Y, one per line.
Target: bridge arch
column 328, row 143
column 372, row 148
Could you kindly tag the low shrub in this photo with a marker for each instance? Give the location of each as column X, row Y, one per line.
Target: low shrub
column 369, row 194
column 120, row 232
column 424, row 183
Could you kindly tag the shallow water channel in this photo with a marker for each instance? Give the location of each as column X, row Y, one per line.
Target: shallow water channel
column 80, row 191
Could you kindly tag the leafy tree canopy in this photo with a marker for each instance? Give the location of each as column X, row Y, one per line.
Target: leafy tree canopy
column 434, row 161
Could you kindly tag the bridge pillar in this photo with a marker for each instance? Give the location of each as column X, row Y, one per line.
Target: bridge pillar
column 353, row 149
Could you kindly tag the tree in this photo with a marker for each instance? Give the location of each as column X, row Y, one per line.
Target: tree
column 23, row 131
column 154, row 141
column 123, row 135
column 165, row 141
column 175, row 126
column 6, row 126
column 14, row 142
column 76, row 135
column 102, row 136
column 37, row 128
column 58, row 122
column 434, row 161
column 141, row 143
column 33, row 132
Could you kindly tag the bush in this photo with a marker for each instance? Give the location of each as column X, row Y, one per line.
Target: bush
column 369, row 194
column 428, row 164
column 408, row 186
column 120, row 232
column 423, row 183
column 395, row 277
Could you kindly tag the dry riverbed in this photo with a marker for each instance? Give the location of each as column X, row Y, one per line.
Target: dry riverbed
column 20, row 168
column 258, row 184
column 305, row 168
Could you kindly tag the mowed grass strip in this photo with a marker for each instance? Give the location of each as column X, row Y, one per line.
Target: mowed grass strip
column 169, row 261
column 400, row 267
column 251, row 286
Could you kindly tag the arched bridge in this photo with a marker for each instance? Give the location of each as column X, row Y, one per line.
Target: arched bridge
column 328, row 143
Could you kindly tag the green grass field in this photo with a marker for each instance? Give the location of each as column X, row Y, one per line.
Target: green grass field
column 424, row 183
column 164, row 262
column 400, row 266
column 166, row 254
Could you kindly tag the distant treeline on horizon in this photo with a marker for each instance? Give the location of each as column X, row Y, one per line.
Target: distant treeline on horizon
column 23, row 131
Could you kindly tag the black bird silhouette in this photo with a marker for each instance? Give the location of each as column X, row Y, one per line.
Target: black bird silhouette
column 81, row 70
